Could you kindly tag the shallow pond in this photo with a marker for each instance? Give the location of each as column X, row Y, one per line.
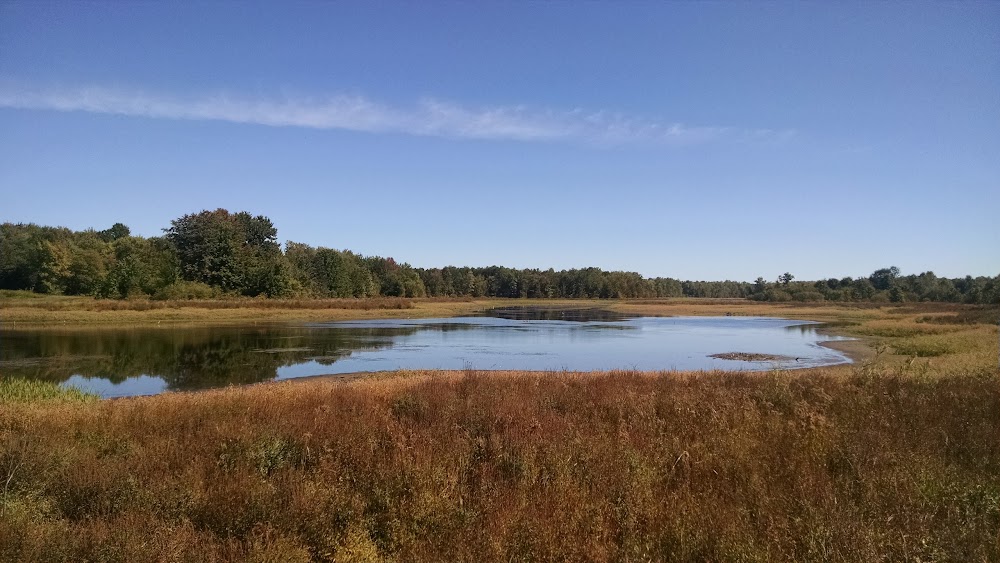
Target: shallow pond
column 122, row 362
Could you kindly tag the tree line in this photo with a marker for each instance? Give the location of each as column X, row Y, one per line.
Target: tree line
column 217, row 253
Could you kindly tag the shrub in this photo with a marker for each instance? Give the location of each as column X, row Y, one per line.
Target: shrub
column 186, row 290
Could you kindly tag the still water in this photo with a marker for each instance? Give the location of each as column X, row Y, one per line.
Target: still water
column 143, row 361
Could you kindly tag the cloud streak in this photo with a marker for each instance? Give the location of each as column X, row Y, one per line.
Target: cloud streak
column 427, row 117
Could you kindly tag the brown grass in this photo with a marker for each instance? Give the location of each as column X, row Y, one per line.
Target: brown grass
column 831, row 464
column 25, row 308
column 894, row 458
column 61, row 311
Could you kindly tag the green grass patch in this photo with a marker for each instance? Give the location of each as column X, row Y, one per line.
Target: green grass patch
column 16, row 390
column 901, row 330
column 981, row 314
column 933, row 345
column 20, row 294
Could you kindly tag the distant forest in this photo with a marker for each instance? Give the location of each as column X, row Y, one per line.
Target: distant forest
column 215, row 254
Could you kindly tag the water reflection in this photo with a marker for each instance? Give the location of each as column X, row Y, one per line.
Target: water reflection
column 525, row 313
column 115, row 362
column 184, row 359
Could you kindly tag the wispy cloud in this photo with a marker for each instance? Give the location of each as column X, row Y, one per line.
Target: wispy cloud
column 427, row 117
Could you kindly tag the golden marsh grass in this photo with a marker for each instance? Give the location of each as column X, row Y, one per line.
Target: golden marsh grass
column 894, row 458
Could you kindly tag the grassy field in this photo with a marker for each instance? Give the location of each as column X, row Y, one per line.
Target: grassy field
column 25, row 309
column 28, row 309
column 893, row 458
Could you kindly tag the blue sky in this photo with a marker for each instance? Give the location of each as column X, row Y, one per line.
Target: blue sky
column 692, row 140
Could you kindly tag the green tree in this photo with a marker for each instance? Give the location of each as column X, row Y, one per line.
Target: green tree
column 760, row 285
column 668, row 287
column 21, row 255
column 896, row 295
column 863, row 289
column 884, row 278
column 55, row 270
column 117, row 231
column 89, row 264
column 234, row 252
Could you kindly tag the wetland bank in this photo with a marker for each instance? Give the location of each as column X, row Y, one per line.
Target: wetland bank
column 115, row 362
column 893, row 457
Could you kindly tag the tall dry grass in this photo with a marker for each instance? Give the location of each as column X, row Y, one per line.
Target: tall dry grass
column 59, row 311
column 859, row 464
column 896, row 458
column 89, row 304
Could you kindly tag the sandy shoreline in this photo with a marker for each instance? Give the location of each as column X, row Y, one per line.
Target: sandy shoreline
column 857, row 350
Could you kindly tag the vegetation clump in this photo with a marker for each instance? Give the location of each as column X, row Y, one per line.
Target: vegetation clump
column 751, row 357
column 18, row 390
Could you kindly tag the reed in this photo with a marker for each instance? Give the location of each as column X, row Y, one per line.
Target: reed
column 863, row 463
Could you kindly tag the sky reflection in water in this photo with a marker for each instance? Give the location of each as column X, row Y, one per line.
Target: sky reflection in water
column 117, row 363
